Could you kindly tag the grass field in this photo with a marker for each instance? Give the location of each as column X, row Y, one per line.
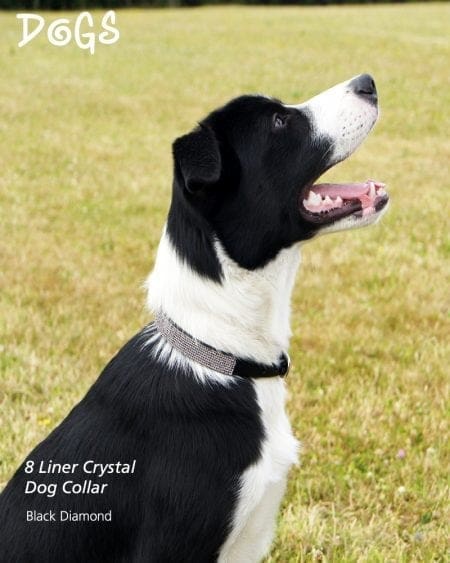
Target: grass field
column 85, row 184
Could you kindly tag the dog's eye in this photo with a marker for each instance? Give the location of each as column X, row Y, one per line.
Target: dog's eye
column 279, row 121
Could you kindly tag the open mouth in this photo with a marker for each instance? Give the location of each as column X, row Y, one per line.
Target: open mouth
column 327, row 203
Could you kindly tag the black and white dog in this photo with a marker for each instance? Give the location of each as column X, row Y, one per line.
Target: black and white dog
column 180, row 450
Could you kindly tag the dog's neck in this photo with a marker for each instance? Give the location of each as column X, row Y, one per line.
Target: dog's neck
column 247, row 314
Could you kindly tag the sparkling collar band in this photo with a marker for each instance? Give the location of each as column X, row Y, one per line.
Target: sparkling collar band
column 216, row 360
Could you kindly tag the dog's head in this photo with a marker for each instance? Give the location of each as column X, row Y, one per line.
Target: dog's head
column 246, row 174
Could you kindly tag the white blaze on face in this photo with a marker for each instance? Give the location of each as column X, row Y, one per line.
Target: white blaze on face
column 342, row 116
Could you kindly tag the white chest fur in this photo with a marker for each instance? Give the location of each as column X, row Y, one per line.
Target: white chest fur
column 247, row 315
column 263, row 484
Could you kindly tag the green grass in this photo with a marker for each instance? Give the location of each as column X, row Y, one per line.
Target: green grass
column 84, row 188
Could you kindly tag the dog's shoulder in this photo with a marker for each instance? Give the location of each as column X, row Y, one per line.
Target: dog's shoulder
column 190, row 439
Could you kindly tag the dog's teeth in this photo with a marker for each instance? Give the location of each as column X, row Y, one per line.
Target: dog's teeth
column 317, row 199
column 372, row 191
column 339, row 200
column 381, row 191
column 327, row 200
column 311, row 198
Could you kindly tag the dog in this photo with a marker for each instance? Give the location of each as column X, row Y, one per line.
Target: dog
column 180, row 450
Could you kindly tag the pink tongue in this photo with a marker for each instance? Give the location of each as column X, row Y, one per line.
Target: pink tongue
column 345, row 191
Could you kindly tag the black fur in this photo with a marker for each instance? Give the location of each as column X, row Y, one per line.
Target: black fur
column 237, row 177
column 191, row 442
column 251, row 205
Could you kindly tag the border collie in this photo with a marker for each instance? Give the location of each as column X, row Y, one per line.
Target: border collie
column 179, row 451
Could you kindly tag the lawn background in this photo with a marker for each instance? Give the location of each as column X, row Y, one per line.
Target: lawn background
column 85, row 182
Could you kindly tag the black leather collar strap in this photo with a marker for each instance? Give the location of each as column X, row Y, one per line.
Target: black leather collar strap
column 247, row 368
column 217, row 360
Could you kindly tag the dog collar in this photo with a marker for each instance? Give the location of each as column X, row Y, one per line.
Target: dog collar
column 219, row 361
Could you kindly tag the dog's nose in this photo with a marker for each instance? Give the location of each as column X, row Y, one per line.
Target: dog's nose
column 364, row 86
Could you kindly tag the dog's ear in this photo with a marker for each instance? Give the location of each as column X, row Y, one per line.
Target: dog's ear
column 197, row 159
